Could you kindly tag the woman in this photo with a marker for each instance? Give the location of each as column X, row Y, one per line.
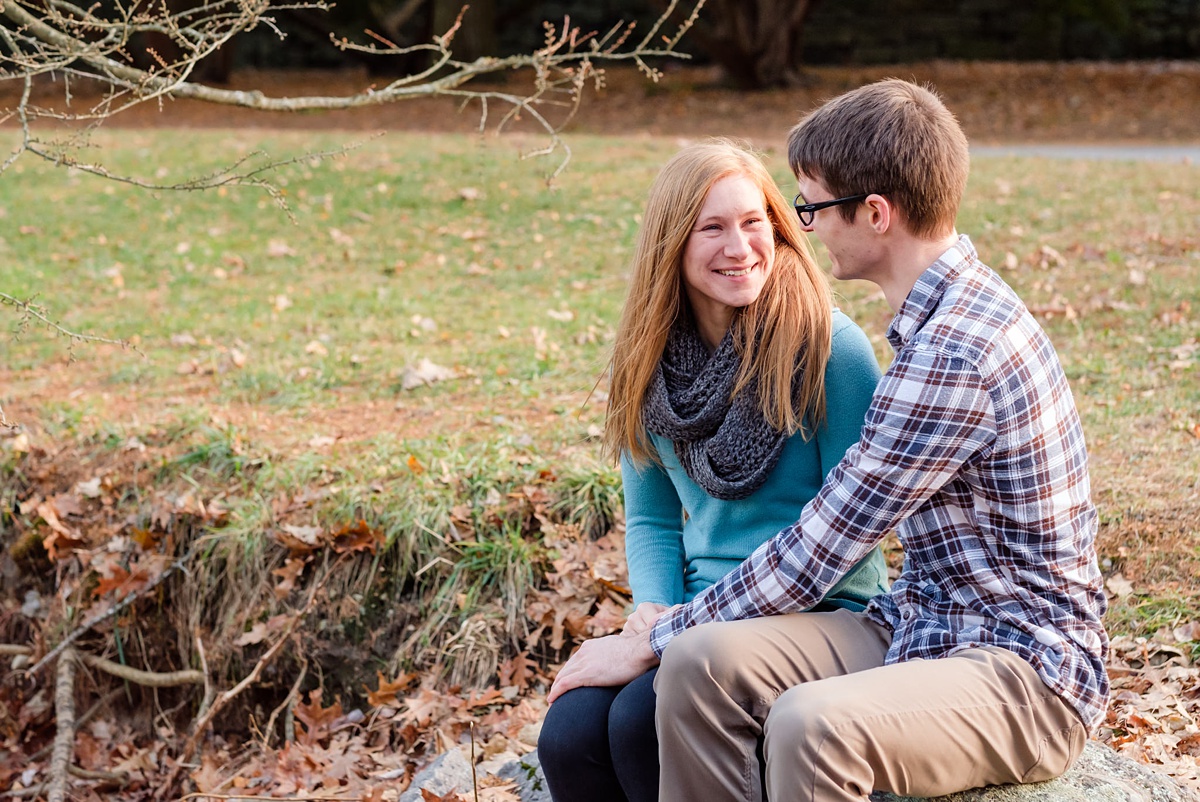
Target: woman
column 735, row 388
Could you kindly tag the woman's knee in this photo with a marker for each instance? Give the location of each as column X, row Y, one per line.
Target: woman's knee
column 575, row 729
column 631, row 716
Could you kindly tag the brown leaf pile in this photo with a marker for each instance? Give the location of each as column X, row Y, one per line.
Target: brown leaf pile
column 1154, row 716
column 129, row 742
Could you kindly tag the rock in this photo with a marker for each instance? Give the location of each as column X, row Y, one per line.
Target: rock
column 1100, row 775
column 449, row 772
column 527, row 773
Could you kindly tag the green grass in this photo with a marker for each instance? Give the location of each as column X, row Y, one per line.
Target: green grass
column 291, row 330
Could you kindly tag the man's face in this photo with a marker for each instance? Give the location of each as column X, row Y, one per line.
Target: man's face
column 849, row 244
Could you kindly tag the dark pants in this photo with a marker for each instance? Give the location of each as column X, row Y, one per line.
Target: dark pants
column 599, row 744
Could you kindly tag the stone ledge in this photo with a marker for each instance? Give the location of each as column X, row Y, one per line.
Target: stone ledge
column 1100, row 775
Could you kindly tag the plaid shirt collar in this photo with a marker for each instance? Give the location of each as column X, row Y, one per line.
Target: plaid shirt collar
column 925, row 295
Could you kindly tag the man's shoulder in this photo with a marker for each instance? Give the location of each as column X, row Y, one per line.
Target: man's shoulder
column 978, row 313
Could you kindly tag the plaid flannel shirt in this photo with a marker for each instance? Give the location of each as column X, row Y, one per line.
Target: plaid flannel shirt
column 973, row 453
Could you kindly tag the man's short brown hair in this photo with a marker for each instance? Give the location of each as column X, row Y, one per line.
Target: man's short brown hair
column 893, row 138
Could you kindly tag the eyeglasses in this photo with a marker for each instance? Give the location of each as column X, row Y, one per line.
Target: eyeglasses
column 806, row 211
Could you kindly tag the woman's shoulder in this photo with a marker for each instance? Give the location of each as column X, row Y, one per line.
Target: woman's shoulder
column 846, row 329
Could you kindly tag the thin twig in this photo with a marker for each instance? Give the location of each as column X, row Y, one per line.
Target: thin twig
column 209, row 691
column 28, row 308
column 64, row 736
column 224, row 699
column 287, row 703
column 152, row 679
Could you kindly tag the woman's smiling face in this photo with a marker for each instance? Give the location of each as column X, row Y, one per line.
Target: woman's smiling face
column 728, row 255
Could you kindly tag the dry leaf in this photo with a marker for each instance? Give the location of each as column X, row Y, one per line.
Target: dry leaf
column 1119, row 586
column 299, row 538
column 424, row 372
column 385, row 694
column 288, row 575
column 277, row 249
column 1187, row 632
column 317, row 720
column 358, row 537
column 259, row 632
column 90, row 488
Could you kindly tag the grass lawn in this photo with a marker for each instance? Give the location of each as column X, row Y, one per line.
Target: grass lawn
column 277, row 380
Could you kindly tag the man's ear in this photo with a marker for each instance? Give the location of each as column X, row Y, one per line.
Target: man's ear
column 881, row 215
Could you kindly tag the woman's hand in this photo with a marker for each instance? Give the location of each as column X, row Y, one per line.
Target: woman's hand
column 643, row 618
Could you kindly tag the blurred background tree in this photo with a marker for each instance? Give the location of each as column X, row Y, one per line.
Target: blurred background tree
column 763, row 43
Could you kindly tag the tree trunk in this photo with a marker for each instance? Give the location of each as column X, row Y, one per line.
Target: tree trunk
column 757, row 42
column 477, row 35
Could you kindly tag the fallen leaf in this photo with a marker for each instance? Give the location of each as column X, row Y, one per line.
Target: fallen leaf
column 517, row 671
column 358, row 537
column 1187, row 632
column 259, row 632
column 278, row 249
column 1119, row 586
column 60, row 539
column 385, row 694
column 317, row 720
column 288, row 575
column 299, row 538
column 424, row 372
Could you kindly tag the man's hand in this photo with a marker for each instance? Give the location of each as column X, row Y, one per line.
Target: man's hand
column 643, row 618
column 614, row 660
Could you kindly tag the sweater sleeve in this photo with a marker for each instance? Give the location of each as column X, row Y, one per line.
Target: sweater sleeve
column 850, row 379
column 653, row 534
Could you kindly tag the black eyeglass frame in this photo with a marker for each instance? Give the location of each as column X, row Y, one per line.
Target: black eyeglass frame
column 809, row 210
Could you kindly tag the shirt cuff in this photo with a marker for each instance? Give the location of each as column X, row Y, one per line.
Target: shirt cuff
column 667, row 626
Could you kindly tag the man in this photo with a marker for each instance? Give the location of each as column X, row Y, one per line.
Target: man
column 984, row 664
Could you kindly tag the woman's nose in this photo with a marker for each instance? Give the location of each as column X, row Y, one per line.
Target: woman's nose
column 738, row 243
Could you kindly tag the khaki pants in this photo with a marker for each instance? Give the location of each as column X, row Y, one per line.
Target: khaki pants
column 801, row 707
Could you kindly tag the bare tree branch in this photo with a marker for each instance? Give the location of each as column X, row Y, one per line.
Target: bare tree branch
column 92, row 44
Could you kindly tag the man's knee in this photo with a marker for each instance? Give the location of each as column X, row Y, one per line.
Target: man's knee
column 705, row 650
column 805, row 717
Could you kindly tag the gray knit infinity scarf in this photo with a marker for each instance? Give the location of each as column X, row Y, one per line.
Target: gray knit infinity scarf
column 728, row 448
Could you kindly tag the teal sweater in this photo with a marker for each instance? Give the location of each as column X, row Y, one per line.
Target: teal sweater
column 679, row 540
